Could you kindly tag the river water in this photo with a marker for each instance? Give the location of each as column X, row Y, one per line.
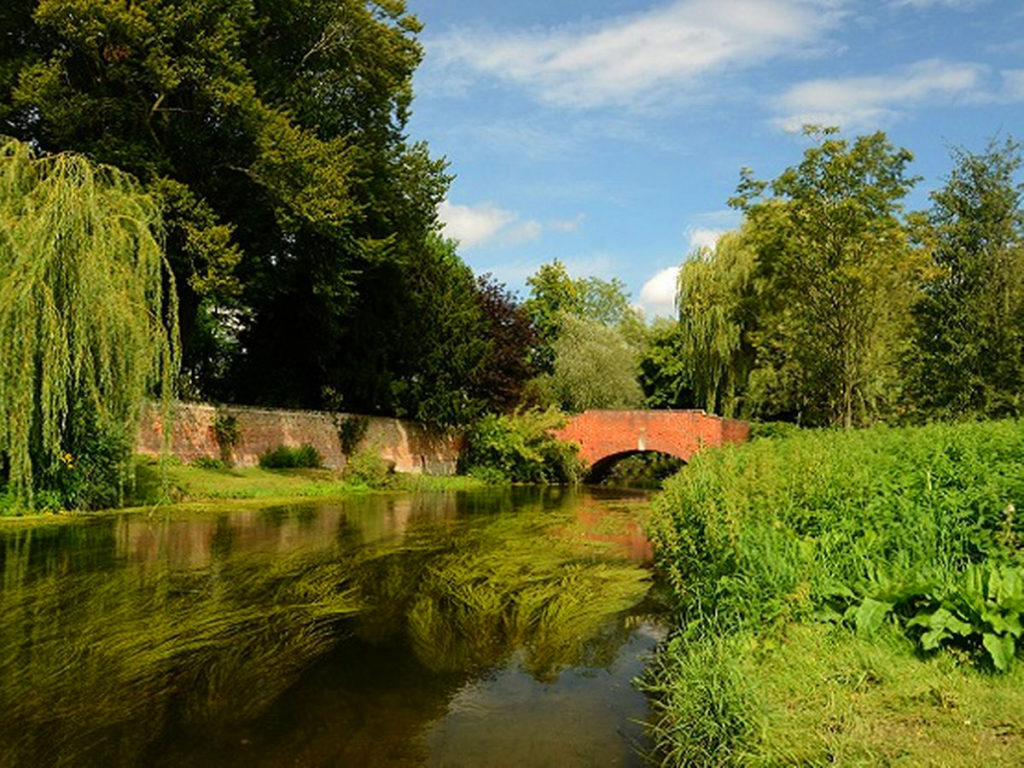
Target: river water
column 493, row 628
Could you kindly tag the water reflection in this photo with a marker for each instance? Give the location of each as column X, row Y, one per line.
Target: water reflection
column 494, row 628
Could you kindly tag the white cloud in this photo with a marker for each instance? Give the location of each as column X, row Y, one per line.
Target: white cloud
column 704, row 238
column 858, row 102
column 567, row 225
column 1013, row 85
column 632, row 59
column 658, row 296
column 474, row 225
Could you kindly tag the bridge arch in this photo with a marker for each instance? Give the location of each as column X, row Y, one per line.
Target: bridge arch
column 602, row 468
column 602, row 435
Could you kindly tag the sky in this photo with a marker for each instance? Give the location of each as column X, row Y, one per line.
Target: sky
column 609, row 134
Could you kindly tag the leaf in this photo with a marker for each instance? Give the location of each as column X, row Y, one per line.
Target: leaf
column 932, row 639
column 1008, row 623
column 870, row 615
column 1001, row 649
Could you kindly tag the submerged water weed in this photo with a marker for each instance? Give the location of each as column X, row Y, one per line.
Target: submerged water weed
column 192, row 624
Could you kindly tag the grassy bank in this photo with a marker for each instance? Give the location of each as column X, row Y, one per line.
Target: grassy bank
column 173, row 482
column 846, row 598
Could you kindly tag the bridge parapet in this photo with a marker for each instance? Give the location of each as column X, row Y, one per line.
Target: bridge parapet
column 606, row 434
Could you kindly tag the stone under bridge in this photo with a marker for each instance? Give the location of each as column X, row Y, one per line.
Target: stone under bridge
column 607, row 437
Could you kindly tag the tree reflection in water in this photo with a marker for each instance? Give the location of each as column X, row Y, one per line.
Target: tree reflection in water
column 317, row 634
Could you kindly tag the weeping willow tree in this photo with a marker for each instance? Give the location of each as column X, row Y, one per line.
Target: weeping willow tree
column 712, row 296
column 87, row 315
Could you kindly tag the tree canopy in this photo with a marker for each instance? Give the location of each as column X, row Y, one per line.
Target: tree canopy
column 272, row 135
column 969, row 345
column 839, row 277
column 87, row 314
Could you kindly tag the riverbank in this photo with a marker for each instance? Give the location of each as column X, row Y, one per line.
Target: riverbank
column 166, row 482
column 850, row 598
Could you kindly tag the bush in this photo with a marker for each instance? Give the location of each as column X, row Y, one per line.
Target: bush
column 521, row 449
column 225, row 429
column 93, row 472
column 205, row 462
column 910, row 537
column 367, row 468
column 824, row 522
column 285, row 457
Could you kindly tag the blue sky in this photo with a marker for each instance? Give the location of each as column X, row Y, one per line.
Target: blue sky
column 610, row 133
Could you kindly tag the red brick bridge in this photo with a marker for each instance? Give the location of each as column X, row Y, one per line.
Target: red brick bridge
column 606, row 437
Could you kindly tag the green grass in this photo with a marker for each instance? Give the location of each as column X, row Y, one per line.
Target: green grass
column 187, row 483
column 771, row 548
column 169, row 481
column 818, row 695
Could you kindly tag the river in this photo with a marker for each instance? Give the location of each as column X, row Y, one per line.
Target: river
column 492, row 628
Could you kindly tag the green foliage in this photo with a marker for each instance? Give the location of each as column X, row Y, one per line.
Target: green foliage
column 227, row 434
column 594, row 367
column 968, row 356
column 351, row 432
column 717, row 308
column 284, row 457
column 521, row 448
column 775, row 550
column 556, row 297
column 553, row 295
column 837, row 280
column 813, row 524
column 205, row 462
column 978, row 611
column 368, row 468
column 87, row 323
column 818, row 694
column 772, row 430
column 702, row 716
column 664, row 371
column 273, row 135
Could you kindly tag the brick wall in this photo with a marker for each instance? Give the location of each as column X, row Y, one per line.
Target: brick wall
column 679, row 433
column 409, row 446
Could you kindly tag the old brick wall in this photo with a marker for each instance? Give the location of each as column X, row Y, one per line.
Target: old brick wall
column 410, row 446
column 680, row 433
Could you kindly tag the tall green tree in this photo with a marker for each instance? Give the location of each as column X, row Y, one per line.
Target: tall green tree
column 273, row 134
column 87, row 319
column 717, row 313
column 969, row 350
column 663, row 370
column 464, row 343
column 839, row 279
column 594, row 367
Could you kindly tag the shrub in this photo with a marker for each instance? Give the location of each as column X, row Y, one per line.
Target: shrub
column 92, row 474
column 367, row 468
column 285, row 457
column 205, row 462
column 521, row 449
column 351, row 431
column 225, row 429
column 820, row 522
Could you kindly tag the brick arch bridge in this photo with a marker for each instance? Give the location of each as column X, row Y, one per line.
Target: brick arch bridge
column 605, row 437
